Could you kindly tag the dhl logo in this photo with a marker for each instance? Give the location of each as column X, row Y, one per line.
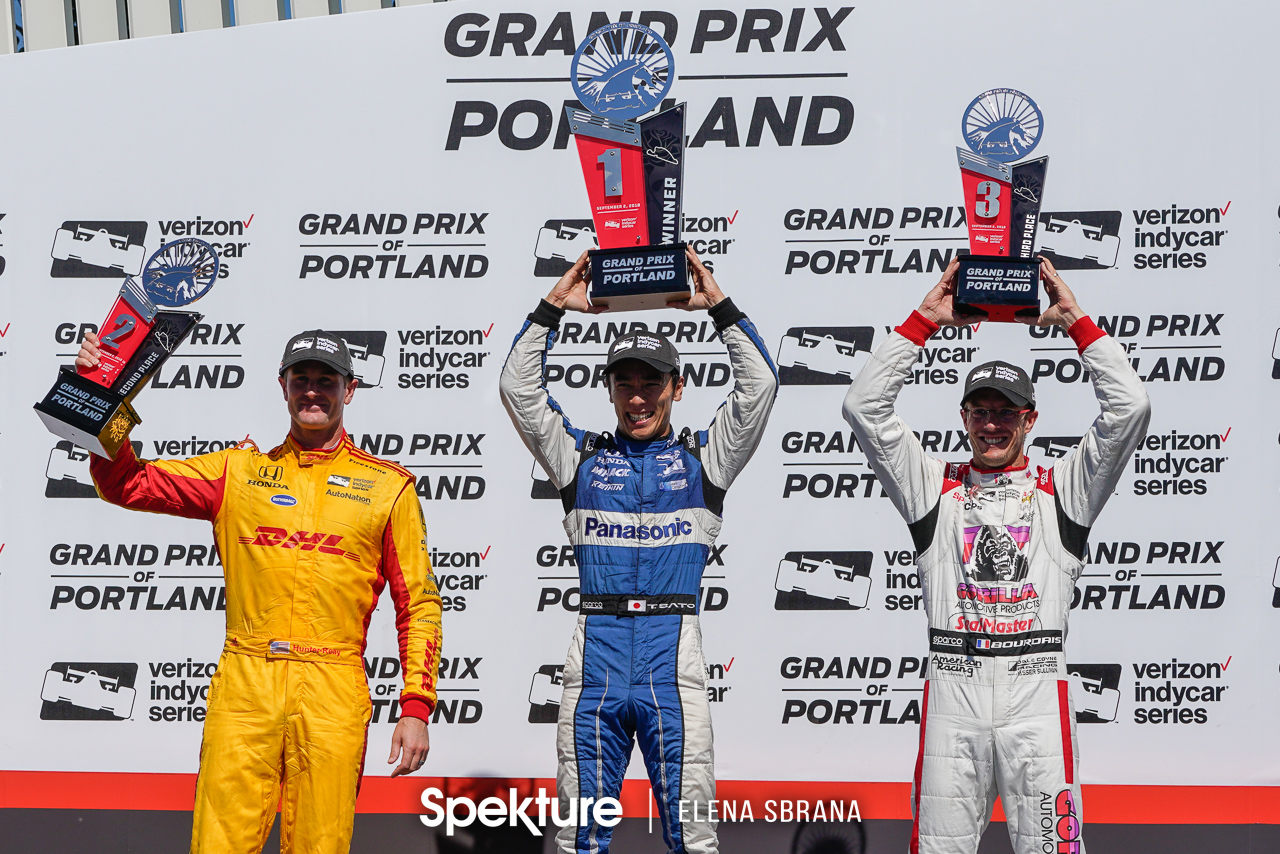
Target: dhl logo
column 305, row 540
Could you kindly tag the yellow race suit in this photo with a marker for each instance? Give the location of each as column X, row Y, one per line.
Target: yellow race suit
column 308, row 540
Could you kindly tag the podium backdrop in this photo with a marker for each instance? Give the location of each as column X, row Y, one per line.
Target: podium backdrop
column 406, row 178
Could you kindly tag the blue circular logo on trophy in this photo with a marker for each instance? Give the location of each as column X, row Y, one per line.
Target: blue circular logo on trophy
column 622, row 71
column 1002, row 124
column 180, row 272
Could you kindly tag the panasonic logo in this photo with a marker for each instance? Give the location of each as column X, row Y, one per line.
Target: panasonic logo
column 596, row 528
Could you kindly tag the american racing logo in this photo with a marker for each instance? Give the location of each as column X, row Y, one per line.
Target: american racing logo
column 88, row 691
column 304, row 540
column 93, row 249
column 823, row 581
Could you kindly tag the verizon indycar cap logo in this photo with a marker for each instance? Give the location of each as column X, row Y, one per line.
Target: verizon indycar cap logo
column 823, row 581
column 823, row 355
column 560, row 242
column 1079, row 240
column 88, row 691
column 1095, row 692
column 67, row 472
column 544, row 694
column 367, row 360
column 92, row 249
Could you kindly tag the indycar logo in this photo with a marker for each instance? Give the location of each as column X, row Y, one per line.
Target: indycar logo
column 98, row 250
column 67, row 472
column 1095, row 692
column 544, row 694
column 304, row 540
column 823, row 355
column 367, row 360
column 559, row 244
column 1079, row 240
column 88, row 691
column 1056, row 447
column 823, row 581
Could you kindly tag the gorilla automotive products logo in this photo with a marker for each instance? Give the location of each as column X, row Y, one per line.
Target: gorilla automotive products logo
column 823, row 355
column 88, row 691
column 544, row 694
column 1002, row 124
column 994, row 553
column 1095, row 692
column 622, row 71
column 823, row 581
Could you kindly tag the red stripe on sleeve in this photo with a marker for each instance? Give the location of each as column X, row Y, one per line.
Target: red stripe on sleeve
column 400, row 595
column 1084, row 332
column 1064, row 715
column 128, row 482
column 917, row 328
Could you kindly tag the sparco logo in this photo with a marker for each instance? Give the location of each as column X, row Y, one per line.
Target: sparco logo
column 88, row 691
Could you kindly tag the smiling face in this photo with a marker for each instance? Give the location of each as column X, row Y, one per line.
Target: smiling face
column 316, row 395
column 997, row 442
column 642, row 397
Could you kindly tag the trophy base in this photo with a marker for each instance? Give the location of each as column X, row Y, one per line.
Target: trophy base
column 997, row 288
column 634, row 278
column 81, row 411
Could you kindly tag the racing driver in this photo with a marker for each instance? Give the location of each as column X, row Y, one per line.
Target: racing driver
column 643, row 508
column 1000, row 546
column 309, row 534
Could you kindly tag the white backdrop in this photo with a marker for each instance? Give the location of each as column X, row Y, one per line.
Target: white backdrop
column 1147, row 107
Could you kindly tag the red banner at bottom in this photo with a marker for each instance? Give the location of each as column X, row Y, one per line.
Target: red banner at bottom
column 769, row 800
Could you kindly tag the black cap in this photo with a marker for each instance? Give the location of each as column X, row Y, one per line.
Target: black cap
column 1009, row 380
column 649, row 347
column 317, row 345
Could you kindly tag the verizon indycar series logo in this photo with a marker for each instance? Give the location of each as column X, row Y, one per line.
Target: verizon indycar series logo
column 544, row 694
column 67, row 472
column 1095, row 692
column 84, row 249
column 88, row 691
column 823, row 581
column 367, row 360
column 823, row 355
column 1079, row 240
column 560, row 242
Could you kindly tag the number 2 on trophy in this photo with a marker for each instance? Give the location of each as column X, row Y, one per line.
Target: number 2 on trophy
column 124, row 325
column 611, row 160
column 987, row 204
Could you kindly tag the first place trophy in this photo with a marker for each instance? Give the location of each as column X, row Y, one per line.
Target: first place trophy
column 633, row 167
column 92, row 406
column 1000, row 280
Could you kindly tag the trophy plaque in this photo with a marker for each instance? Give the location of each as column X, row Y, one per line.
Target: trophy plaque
column 634, row 168
column 1000, row 280
column 92, row 406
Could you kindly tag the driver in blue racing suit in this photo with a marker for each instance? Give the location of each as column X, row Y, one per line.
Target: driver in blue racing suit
column 643, row 508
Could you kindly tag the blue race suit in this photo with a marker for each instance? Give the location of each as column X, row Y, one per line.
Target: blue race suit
column 642, row 517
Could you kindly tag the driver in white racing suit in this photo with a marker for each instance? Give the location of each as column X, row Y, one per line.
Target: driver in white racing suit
column 1000, row 545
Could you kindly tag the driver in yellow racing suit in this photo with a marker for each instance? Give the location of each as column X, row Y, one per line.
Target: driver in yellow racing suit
column 310, row 534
